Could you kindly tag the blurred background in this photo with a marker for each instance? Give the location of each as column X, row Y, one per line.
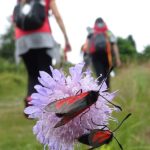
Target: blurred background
column 129, row 21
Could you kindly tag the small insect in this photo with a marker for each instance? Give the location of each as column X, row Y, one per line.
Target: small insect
column 98, row 137
column 70, row 107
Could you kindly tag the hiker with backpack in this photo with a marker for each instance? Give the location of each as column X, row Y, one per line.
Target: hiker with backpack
column 101, row 45
column 34, row 41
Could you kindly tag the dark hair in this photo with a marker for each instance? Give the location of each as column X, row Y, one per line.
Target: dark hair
column 99, row 20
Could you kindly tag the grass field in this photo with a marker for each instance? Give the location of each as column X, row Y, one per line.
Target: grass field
column 133, row 83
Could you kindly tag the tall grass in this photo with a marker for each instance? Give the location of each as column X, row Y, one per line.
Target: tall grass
column 134, row 96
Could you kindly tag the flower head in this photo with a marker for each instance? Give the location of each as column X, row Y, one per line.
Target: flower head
column 58, row 86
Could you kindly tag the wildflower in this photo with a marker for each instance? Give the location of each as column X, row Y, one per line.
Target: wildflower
column 58, row 86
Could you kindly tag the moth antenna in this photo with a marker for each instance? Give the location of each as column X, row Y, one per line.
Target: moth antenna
column 104, row 126
column 96, row 106
column 122, row 122
column 106, row 77
column 112, row 103
column 118, row 143
column 99, row 76
column 80, row 91
column 82, row 116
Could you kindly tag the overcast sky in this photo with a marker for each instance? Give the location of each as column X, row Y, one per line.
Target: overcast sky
column 123, row 17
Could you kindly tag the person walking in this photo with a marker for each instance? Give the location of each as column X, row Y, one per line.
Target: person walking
column 101, row 45
column 34, row 41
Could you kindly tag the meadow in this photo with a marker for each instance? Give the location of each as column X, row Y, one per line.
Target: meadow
column 132, row 81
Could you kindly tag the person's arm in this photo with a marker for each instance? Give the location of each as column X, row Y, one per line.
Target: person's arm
column 115, row 48
column 116, row 53
column 59, row 20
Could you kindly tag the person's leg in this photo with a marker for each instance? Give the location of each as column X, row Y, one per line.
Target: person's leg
column 106, row 68
column 44, row 61
column 30, row 61
column 101, row 67
column 99, row 70
column 36, row 60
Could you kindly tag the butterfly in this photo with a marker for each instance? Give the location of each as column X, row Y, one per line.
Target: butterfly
column 98, row 137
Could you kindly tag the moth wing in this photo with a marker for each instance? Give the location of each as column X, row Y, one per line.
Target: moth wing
column 98, row 137
column 66, row 105
column 68, row 117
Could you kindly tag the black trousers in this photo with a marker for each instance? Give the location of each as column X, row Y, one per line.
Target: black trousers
column 101, row 66
column 36, row 60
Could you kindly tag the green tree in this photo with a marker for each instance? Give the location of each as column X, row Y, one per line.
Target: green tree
column 146, row 52
column 131, row 40
column 127, row 49
column 7, row 45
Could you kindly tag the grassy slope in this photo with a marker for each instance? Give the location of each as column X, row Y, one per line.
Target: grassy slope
column 134, row 96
